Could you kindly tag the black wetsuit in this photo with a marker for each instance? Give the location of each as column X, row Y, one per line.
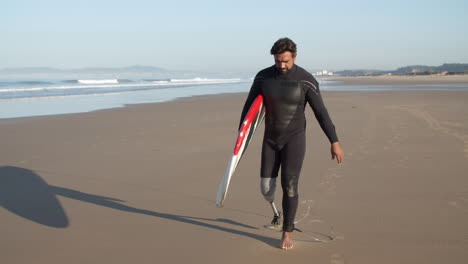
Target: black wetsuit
column 285, row 96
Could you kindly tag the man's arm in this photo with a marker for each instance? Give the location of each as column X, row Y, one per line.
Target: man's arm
column 315, row 101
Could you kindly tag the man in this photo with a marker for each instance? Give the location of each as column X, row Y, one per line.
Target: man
column 286, row 88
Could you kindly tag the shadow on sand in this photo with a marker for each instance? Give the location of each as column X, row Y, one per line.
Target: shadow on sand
column 24, row 193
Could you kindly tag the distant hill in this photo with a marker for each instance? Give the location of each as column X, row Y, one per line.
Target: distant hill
column 96, row 70
column 28, row 70
column 123, row 69
column 451, row 67
column 151, row 71
column 413, row 69
column 136, row 71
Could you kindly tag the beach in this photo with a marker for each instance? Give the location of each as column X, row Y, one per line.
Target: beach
column 138, row 184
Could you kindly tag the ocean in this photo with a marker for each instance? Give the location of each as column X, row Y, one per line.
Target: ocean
column 26, row 97
column 21, row 98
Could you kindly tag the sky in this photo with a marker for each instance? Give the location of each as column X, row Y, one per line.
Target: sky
column 233, row 36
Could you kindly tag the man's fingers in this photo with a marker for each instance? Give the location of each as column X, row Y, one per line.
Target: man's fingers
column 340, row 159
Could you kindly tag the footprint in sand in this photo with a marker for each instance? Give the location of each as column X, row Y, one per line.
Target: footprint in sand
column 329, row 180
column 337, row 258
column 403, row 162
column 449, row 128
column 461, row 202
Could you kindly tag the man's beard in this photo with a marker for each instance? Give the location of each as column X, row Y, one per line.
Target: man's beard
column 282, row 70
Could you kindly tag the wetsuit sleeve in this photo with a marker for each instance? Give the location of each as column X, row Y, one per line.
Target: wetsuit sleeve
column 313, row 97
column 254, row 91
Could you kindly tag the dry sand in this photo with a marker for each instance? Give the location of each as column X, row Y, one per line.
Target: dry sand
column 137, row 184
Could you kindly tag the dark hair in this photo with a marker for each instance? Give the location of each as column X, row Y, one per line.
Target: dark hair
column 283, row 45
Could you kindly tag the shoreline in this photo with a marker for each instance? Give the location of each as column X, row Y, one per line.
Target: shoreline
column 53, row 106
column 206, row 97
column 136, row 105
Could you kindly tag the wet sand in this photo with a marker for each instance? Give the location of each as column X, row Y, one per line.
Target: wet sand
column 138, row 184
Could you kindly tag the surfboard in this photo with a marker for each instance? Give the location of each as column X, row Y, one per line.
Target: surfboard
column 251, row 122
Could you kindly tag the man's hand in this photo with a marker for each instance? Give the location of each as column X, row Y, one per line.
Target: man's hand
column 337, row 152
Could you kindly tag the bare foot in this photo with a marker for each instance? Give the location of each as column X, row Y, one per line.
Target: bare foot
column 286, row 240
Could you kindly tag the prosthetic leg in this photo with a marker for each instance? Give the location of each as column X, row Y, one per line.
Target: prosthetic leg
column 268, row 188
column 277, row 221
column 277, row 216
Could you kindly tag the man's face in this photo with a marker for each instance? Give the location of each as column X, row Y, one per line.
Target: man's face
column 284, row 61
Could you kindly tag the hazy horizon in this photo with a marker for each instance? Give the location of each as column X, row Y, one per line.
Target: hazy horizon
column 161, row 68
column 232, row 37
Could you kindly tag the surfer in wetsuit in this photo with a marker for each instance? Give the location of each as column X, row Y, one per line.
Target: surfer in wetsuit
column 286, row 88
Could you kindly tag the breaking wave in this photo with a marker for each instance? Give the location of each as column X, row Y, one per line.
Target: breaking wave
column 33, row 89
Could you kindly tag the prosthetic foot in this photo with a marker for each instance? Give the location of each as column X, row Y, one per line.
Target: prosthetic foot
column 277, row 216
column 277, row 221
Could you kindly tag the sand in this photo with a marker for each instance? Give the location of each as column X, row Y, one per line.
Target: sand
column 138, row 184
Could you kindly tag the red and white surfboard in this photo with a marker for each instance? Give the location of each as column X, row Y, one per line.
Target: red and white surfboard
column 251, row 122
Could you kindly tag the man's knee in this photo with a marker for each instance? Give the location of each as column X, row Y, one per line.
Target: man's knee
column 268, row 187
column 290, row 187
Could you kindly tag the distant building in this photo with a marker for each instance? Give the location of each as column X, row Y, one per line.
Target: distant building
column 323, row 72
